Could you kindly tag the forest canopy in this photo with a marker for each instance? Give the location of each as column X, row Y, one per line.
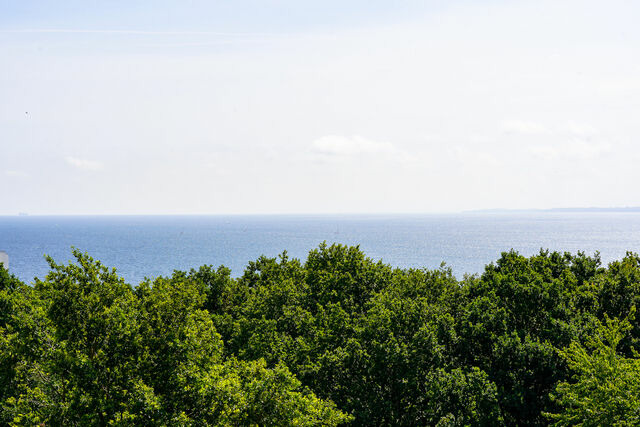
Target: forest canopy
column 335, row 339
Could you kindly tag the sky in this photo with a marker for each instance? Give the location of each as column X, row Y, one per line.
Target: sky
column 300, row 107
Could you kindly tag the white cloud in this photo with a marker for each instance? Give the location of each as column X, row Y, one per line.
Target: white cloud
column 579, row 129
column 525, row 127
column 83, row 164
column 571, row 128
column 576, row 149
column 571, row 140
column 479, row 158
column 338, row 145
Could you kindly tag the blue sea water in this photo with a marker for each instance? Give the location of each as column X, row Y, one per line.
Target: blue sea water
column 149, row 246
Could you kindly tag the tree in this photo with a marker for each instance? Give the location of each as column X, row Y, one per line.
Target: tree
column 82, row 347
column 605, row 386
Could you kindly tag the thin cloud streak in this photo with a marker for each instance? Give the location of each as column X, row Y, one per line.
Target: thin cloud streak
column 16, row 174
column 138, row 32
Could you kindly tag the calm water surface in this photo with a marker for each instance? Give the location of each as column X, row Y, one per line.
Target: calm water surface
column 149, row 246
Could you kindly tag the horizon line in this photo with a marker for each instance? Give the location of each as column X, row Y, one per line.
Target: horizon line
column 466, row 211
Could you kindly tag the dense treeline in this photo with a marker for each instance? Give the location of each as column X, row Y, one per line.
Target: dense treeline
column 547, row 339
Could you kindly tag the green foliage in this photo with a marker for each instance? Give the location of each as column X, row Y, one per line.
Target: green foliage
column 357, row 332
column 338, row 338
column 516, row 315
column 84, row 348
column 605, row 386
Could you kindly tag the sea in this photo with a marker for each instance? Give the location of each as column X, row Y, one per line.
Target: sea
column 142, row 247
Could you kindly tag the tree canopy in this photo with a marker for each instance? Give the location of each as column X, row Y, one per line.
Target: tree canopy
column 337, row 338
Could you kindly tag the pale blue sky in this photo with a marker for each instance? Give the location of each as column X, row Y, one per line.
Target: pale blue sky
column 284, row 16
column 317, row 107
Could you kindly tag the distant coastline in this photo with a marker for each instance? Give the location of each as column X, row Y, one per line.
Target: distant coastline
column 555, row 210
